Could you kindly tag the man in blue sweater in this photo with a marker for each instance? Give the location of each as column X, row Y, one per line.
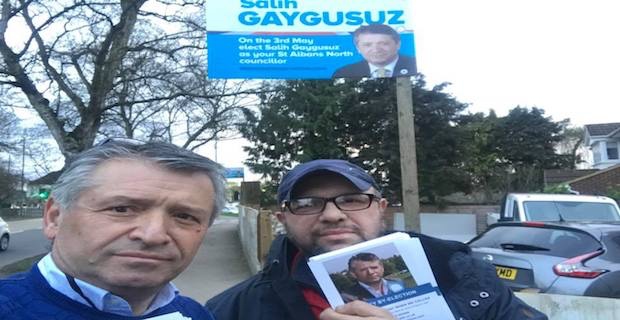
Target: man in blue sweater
column 124, row 218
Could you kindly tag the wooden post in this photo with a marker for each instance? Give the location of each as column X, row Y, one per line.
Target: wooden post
column 265, row 234
column 250, row 194
column 408, row 162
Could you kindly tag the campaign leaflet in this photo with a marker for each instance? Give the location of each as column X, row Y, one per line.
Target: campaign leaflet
column 391, row 272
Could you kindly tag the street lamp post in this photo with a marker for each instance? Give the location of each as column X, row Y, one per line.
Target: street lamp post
column 23, row 193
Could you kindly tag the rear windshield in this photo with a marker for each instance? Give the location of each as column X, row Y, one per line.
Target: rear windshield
column 555, row 242
column 569, row 211
column 612, row 241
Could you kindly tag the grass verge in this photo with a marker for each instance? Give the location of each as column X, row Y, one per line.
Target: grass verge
column 229, row 214
column 20, row 266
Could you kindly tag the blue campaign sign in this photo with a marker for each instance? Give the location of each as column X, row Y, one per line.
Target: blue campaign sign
column 234, row 173
column 309, row 39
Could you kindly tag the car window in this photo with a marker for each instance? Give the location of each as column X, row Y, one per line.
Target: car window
column 612, row 240
column 587, row 211
column 556, row 242
column 569, row 211
column 541, row 211
column 515, row 211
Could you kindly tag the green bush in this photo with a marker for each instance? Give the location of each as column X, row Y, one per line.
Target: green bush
column 614, row 193
column 561, row 188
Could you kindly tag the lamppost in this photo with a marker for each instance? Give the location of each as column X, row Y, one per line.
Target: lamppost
column 21, row 189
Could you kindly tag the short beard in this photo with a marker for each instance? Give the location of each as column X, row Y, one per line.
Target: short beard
column 308, row 252
column 316, row 249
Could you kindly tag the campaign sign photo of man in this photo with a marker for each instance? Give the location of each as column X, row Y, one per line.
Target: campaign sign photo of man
column 379, row 45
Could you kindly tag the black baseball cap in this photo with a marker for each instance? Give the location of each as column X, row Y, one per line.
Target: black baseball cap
column 358, row 176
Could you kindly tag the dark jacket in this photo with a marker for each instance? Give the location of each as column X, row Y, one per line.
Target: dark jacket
column 405, row 66
column 471, row 287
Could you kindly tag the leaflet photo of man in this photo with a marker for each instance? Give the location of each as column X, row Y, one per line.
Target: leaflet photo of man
column 368, row 271
column 379, row 44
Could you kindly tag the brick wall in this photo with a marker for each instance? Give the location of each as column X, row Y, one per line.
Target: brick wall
column 599, row 183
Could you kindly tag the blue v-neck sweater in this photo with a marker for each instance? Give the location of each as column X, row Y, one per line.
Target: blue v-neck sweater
column 28, row 296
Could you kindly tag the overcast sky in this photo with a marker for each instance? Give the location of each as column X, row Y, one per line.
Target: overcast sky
column 560, row 55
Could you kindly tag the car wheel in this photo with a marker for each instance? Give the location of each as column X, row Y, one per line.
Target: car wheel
column 4, row 242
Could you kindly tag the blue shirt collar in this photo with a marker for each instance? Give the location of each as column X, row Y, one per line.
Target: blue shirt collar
column 102, row 299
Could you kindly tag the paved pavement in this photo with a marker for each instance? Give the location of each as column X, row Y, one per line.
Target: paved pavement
column 23, row 225
column 218, row 265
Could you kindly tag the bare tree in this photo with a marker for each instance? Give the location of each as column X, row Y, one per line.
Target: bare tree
column 8, row 184
column 89, row 66
column 164, row 93
column 8, row 127
column 66, row 67
column 571, row 144
column 40, row 161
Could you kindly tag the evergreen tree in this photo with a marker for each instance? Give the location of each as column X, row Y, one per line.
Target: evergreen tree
column 357, row 120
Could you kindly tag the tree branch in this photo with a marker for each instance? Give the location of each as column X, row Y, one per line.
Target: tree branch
column 45, row 59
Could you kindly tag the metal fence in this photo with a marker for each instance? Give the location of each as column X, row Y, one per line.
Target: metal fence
column 21, row 213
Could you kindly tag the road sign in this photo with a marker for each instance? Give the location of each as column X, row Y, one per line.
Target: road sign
column 234, row 173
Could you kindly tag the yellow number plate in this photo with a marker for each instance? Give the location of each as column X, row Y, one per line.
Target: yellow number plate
column 506, row 273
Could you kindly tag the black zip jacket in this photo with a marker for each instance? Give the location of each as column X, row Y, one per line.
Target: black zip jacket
column 470, row 287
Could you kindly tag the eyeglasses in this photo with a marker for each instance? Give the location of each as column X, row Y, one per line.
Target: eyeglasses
column 344, row 202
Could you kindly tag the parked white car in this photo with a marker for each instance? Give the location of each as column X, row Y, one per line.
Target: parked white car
column 4, row 235
column 557, row 207
column 231, row 207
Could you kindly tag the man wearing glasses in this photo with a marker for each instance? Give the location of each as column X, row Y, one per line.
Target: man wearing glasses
column 332, row 204
column 125, row 218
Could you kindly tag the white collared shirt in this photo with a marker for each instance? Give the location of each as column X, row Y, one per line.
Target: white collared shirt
column 102, row 299
column 376, row 293
column 387, row 287
column 389, row 69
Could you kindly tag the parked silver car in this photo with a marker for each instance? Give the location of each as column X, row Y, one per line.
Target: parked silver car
column 554, row 257
column 4, row 235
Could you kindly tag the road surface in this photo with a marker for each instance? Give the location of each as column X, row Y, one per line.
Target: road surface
column 27, row 240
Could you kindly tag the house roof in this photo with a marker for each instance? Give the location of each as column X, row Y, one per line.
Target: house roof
column 47, row 179
column 616, row 167
column 602, row 129
column 555, row 176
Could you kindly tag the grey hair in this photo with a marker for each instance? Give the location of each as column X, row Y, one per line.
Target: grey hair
column 76, row 178
column 363, row 256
